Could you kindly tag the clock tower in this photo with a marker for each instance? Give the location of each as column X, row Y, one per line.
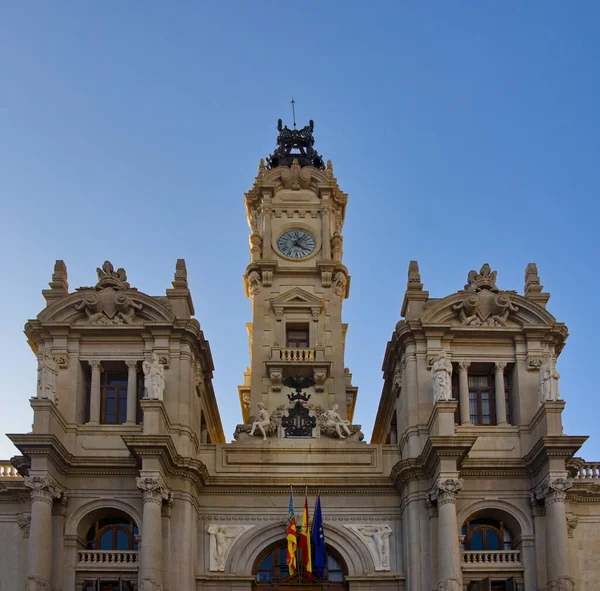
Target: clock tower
column 296, row 279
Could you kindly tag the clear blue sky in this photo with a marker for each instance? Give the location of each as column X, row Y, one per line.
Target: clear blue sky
column 464, row 133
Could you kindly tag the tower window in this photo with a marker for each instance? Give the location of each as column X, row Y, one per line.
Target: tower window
column 114, row 397
column 296, row 336
column 481, row 400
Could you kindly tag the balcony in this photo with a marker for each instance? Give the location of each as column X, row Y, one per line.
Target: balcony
column 7, row 470
column 491, row 559
column 112, row 560
column 588, row 471
column 297, row 354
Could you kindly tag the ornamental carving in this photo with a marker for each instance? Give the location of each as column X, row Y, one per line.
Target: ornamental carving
column 106, row 303
column 276, row 375
column 43, row 489
column 553, row 490
column 572, row 522
column 24, row 523
column 153, row 488
column 254, row 283
column 562, row 583
column 222, row 539
column 34, row 583
column 484, row 304
column 339, row 284
column 150, row 584
column 298, row 422
column 376, row 537
column 319, row 377
column 450, row 584
column 445, row 490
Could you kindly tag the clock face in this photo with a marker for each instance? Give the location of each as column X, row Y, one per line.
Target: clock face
column 296, row 244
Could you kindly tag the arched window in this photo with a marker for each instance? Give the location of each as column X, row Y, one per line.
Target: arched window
column 486, row 534
column 271, row 571
column 112, row 533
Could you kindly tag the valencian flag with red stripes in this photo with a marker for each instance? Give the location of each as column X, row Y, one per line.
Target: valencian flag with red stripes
column 290, row 536
column 305, row 541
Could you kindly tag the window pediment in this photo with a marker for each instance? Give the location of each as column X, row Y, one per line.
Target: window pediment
column 297, row 298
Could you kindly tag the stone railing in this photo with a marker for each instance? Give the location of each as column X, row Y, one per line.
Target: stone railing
column 7, row 470
column 491, row 558
column 294, row 354
column 107, row 558
column 588, row 470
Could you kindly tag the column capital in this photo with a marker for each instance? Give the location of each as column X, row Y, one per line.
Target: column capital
column 553, row 490
column 43, row 488
column 445, row 490
column 500, row 366
column 463, row 365
column 96, row 365
column 153, row 488
column 132, row 364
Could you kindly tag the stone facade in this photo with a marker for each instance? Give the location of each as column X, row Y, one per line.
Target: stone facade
column 468, row 483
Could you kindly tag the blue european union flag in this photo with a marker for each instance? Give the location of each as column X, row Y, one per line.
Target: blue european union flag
column 318, row 541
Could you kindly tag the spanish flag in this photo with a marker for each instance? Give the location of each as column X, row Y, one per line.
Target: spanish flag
column 305, row 541
column 290, row 536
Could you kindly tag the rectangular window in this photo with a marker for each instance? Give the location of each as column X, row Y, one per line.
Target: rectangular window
column 297, row 336
column 113, row 397
column 481, row 400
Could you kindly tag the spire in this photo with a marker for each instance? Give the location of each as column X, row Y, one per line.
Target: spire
column 533, row 287
column 414, row 296
column 295, row 144
column 59, row 286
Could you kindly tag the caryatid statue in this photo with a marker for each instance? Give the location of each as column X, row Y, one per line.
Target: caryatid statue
column 154, row 378
column 441, row 372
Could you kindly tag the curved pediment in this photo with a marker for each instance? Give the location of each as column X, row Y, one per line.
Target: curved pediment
column 107, row 306
column 486, row 308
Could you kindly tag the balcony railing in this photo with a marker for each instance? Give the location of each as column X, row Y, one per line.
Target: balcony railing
column 491, row 558
column 588, row 470
column 293, row 354
column 93, row 559
column 7, row 470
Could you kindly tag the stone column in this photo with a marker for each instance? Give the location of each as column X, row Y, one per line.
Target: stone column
column 554, row 493
column 131, row 391
column 95, row 392
column 151, row 555
column 500, row 395
column 279, row 336
column 414, row 536
column 166, row 527
column 314, row 328
column 267, row 212
column 463, row 392
column 325, row 232
column 449, row 568
column 412, row 397
column 39, row 559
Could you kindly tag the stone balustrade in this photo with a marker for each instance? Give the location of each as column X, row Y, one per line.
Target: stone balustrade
column 293, row 354
column 589, row 470
column 107, row 559
column 491, row 558
column 7, row 470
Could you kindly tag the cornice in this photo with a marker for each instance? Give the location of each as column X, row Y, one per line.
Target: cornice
column 162, row 446
column 555, row 446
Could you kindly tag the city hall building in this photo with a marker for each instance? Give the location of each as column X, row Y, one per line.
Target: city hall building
column 128, row 482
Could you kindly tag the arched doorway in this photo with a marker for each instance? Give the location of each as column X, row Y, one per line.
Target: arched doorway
column 271, row 572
